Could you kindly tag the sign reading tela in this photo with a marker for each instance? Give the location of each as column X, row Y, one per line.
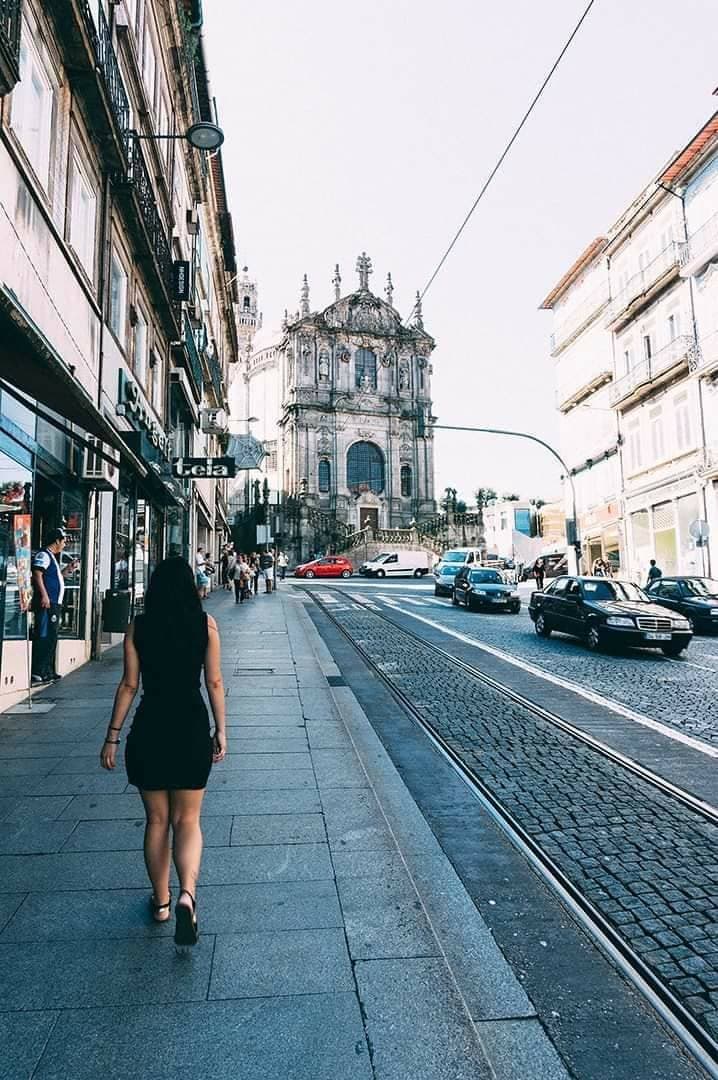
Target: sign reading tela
column 220, row 468
column 247, row 451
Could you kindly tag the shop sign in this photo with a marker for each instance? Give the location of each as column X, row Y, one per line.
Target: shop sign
column 214, row 421
column 180, row 280
column 131, row 403
column 195, row 468
column 21, row 526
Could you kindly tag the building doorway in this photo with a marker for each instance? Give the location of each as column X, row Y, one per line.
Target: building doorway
column 368, row 517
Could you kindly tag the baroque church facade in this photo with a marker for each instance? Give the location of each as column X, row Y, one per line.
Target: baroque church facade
column 351, row 387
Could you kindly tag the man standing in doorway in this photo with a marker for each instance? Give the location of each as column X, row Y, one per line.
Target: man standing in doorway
column 654, row 572
column 48, row 590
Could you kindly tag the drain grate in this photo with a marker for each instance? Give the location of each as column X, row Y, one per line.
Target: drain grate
column 253, row 671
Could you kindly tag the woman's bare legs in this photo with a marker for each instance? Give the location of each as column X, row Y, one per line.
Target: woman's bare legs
column 157, row 844
column 185, row 808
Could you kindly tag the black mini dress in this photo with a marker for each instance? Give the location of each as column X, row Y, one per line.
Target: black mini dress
column 169, row 747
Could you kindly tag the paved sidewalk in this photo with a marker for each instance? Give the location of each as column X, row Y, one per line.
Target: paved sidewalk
column 337, row 941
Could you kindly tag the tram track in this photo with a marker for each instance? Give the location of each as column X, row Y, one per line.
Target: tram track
column 631, row 855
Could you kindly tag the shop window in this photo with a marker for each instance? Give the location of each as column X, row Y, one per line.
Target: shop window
column 365, row 468
column 117, row 314
column 15, row 553
column 141, row 350
column 157, row 383
column 406, row 480
column 365, row 369
column 324, row 477
column 33, row 108
column 14, row 411
column 73, row 522
column 83, row 214
column 123, row 543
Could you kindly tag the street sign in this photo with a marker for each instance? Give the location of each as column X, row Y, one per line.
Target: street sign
column 247, row 451
column 700, row 531
column 180, row 280
column 203, row 468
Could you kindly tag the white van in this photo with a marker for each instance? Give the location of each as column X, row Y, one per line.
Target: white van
column 449, row 565
column 399, row 564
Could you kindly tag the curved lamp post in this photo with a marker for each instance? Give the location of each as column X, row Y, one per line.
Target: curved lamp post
column 202, row 135
column 572, row 536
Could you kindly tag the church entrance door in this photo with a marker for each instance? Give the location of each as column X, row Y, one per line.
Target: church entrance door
column 368, row 517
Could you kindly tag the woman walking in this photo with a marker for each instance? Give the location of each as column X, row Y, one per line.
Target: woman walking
column 169, row 750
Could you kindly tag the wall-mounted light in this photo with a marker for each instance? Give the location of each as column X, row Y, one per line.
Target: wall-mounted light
column 202, row 136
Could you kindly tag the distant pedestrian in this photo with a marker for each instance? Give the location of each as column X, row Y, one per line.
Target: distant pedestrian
column 282, row 563
column 170, row 750
column 231, row 566
column 266, row 566
column 598, row 568
column 201, row 572
column 539, row 573
column 242, row 576
column 48, row 590
column 254, row 568
column 654, row 572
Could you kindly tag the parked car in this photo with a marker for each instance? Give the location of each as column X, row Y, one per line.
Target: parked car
column 399, row 564
column 605, row 612
column 694, row 597
column 484, row 588
column 554, row 565
column 331, row 566
column 370, row 562
column 448, row 566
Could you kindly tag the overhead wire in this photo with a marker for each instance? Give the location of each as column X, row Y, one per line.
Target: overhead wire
column 502, row 158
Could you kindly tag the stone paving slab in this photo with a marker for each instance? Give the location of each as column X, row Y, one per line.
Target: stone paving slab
column 306, row 1037
column 67, row 975
column 327, row 735
column 285, row 962
column 270, row 862
column 23, row 1037
column 9, row 903
column 33, row 837
column 249, row 779
column 282, row 748
column 277, row 829
column 37, row 808
column 128, row 835
column 384, row 917
column 94, row 783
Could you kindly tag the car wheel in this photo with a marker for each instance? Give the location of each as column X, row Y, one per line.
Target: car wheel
column 541, row 626
column 346, row 573
column 593, row 637
column 674, row 649
column 515, row 609
column 381, row 573
column 454, row 598
column 309, row 573
column 418, row 572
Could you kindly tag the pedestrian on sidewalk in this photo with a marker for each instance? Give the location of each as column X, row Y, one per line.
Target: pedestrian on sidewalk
column 231, row 567
column 48, row 590
column 266, row 566
column 654, row 572
column 169, row 750
column 282, row 563
column 201, row 572
column 242, row 574
column 254, row 567
column 539, row 573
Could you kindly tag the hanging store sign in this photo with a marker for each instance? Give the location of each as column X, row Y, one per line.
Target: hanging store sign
column 195, row 468
column 214, row 421
column 248, row 452
column 180, row 280
column 132, row 404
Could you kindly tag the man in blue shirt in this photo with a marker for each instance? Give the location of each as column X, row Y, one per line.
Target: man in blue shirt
column 48, row 590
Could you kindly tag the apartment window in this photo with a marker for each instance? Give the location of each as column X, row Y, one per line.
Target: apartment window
column 156, row 382
column 33, row 107
column 118, row 297
column 655, row 417
column 627, row 361
column 149, row 66
column 633, row 446
column 683, row 422
column 647, row 347
column 406, row 478
column 163, row 128
column 141, row 350
column 83, row 214
column 673, row 326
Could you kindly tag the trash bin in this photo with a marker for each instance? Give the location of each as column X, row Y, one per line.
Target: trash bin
column 115, row 611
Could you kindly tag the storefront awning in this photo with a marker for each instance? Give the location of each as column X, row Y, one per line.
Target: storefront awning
column 30, row 364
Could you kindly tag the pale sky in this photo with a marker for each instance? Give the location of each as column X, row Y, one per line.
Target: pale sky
column 372, row 125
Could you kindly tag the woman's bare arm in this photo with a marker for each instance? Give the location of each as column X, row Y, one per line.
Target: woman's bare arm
column 214, row 683
column 124, row 696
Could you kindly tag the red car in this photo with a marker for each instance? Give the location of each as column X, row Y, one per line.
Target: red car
column 332, row 566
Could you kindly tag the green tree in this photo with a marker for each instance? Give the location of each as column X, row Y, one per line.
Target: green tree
column 509, row 496
column 483, row 496
column 461, row 507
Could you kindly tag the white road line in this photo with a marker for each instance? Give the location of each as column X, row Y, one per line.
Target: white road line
column 327, row 598
column 566, row 684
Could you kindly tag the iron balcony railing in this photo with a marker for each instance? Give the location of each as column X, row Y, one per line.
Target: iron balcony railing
column 10, row 22
column 215, row 373
column 680, row 349
column 193, row 360
column 643, row 281
column 137, row 178
column 702, row 246
column 107, row 65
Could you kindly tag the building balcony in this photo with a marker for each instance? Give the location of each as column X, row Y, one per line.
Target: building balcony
column 85, row 41
column 139, row 203
column 10, row 22
column 653, row 371
column 191, row 358
column 569, row 328
column 643, row 287
column 706, row 355
column 215, row 383
column 567, row 397
column 701, row 247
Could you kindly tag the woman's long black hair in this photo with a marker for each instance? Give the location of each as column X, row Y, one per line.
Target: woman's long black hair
column 172, row 599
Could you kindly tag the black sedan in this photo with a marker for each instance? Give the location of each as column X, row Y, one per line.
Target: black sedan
column 694, row 597
column 484, row 588
column 605, row 612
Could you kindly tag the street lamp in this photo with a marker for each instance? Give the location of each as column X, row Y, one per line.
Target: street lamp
column 572, row 536
column 202, row 135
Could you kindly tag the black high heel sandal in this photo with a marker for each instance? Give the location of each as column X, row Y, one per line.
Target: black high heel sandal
column 186, row 929
column 157, row 909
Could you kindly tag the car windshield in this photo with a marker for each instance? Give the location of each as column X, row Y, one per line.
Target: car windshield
column 454, row 556
column 612, row 590
column 701, row 586
column 381, row 558
column 451, row 570
column 486, row 577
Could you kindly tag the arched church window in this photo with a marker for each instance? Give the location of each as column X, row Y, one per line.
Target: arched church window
column 365, row 369
column 245, row 303
column 365, row 468
column 406, row 480
column 325, row 476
